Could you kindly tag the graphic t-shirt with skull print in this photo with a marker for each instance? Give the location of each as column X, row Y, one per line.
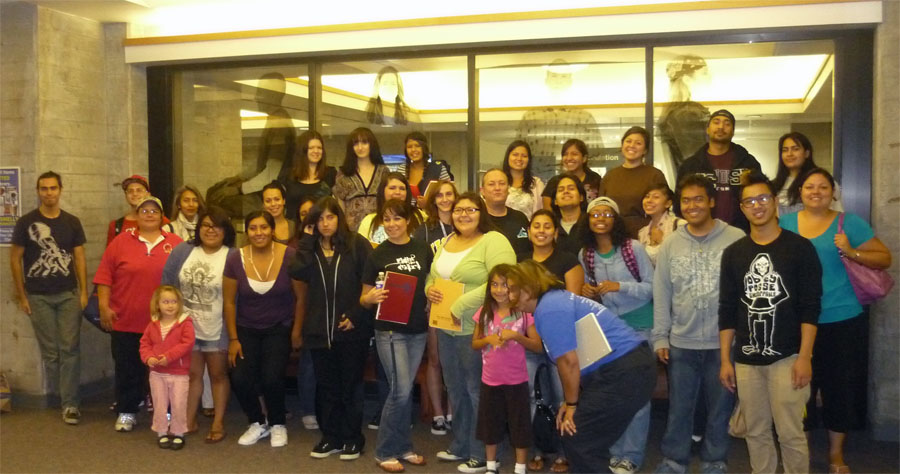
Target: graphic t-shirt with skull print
column 49, row 243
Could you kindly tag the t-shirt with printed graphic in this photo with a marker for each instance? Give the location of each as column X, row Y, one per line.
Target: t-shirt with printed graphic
column 200, row 279
column 412, row 258
column 514, row 226
column 49, row 243
column 766, row 293
column 722, row 167
column 504, row 365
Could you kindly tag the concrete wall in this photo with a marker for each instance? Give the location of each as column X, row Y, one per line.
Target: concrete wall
column 69, row 103
column 884, row 355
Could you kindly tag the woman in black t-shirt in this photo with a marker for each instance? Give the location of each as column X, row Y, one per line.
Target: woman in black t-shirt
column 400, row 343
column 310, row 175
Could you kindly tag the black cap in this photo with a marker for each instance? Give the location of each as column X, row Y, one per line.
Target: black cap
column 721, row 113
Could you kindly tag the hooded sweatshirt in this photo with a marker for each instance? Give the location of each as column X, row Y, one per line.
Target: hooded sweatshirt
column 176, row 347
column 686, row 288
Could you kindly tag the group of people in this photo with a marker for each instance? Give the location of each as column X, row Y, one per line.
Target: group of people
column 538, row 268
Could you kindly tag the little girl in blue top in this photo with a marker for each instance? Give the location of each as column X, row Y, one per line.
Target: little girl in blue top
column 502, row 335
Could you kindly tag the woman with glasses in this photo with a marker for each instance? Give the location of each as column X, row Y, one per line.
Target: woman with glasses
column 360, row 176
column 618, row 273
column 841, row 350
column 466, row 256
column 196, row 267
column 129, row 272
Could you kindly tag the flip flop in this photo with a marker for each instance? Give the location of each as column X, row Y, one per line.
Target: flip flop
column 560, row 466
column 214, row 436
column 414, row 459
column 536, row 464
column 391, row 465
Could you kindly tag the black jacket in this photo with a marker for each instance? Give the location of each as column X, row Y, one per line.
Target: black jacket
column 744, row 163
column 333, row 291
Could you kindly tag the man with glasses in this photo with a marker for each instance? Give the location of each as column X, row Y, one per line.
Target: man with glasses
column 49, row 274
column 769, row 302
column 511, row 223
column 686, row 328
column 725, row 163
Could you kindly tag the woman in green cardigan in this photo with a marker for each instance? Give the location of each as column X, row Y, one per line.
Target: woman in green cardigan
column 466, row 256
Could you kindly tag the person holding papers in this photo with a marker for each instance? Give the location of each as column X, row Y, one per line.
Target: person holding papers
column 618, row 272
column 400, row 327
column 603, row 390
column 465, row 257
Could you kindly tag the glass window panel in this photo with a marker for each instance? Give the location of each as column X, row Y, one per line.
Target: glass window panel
column 771, row 88
column 235, row 129
column 548, row 97
column 433, row 98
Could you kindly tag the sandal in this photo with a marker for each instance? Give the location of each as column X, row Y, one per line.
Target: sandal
column 164, row 442
column 391, row 465
column 177, row 443
column 536, row 464
column 414, row 459
column 208, row 412
column 835, row 469
column 560, row 465
column 214, row 436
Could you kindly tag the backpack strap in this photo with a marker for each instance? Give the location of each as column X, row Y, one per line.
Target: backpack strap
column 630, row 260
column 119, row 223
column 589, row 261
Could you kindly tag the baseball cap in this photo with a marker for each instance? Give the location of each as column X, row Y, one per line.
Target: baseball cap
column 135, row 178
column 721, row 113
column 604, row 201
column 150, row 199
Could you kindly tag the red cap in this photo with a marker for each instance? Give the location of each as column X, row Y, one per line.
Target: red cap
column 135, row 178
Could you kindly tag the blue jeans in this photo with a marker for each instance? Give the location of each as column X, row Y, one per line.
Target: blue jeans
column 689, row 372
column 400, row 356
column 56, row 320
column 462, row 374
column 632, row 444
column 306, row 384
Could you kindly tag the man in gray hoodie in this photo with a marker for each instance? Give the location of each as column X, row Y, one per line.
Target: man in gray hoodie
column 686, row 327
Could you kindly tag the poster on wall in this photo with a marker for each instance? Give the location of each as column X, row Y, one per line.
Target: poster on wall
column 9, row 202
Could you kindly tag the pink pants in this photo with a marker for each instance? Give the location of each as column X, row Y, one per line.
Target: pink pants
column 166, row 390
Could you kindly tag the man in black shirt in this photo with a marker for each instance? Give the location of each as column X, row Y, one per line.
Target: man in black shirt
column 769, row 304
column 511, row 223
column 49, row 275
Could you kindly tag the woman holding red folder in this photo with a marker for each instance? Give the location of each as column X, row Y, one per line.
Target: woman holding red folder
column 399, row 334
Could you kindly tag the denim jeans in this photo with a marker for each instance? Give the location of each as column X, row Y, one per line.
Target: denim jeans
column 56, row 320
column 400, row 356
column 462, row 374
column 306, row 384
column 632, row 444
column 689, row 372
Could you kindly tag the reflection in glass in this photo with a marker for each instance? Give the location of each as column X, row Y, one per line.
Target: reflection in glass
column 682, row 125
column 388, row 88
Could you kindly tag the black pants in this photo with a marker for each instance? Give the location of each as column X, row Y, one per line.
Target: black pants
column 609, row 398
column 266, row 353
column 131, row 373
column 339, row 390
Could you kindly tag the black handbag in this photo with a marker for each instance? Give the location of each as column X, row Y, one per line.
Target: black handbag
column 91, row 312
column 543, row 424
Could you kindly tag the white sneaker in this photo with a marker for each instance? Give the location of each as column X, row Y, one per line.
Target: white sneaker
column 279, row 436
column 310, row 423
column 254, row 433
column 125, row 422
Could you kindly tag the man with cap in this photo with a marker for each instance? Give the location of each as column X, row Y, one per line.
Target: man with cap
column 129, row 272
column 49, row 275
column 136, row 188
column 726, row 164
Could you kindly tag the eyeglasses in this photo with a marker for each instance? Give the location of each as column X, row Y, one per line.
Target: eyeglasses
column 597, row 215
column 468, row 211
column 750, row 202
column 149, row 211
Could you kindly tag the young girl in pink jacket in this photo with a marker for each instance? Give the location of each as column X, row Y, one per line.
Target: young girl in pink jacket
column 166, row 348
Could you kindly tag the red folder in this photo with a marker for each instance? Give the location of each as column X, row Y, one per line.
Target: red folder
column 401, row 291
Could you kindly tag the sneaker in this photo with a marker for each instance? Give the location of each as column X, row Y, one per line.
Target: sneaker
column 254, row 433
column 449, row 423
column 71, row 415
column 717, row 467
column 350, row 452
column 279, row 436
column 125, row 422
column 375, row 421
column 623, row 466
column 446, row 455
column 438, row 426
column 310, row 423
column 324, row 449
column 472, row 465
column 149, row 403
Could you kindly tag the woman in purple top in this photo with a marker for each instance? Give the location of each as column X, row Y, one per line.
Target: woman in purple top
column 261, row 309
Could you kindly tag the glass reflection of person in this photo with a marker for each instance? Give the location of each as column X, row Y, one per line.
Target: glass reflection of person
column 240, row 194
column 682, row 125
column 388, row 88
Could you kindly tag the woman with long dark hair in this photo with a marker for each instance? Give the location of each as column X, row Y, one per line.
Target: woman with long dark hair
column 388, row 87
column 360, row 176
column 574, row 161
column 525, row 188
column 335, row 327
column 187, row 204
column 419, row 167
column 310, row 176
column 796, row 152
column 393, row 186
